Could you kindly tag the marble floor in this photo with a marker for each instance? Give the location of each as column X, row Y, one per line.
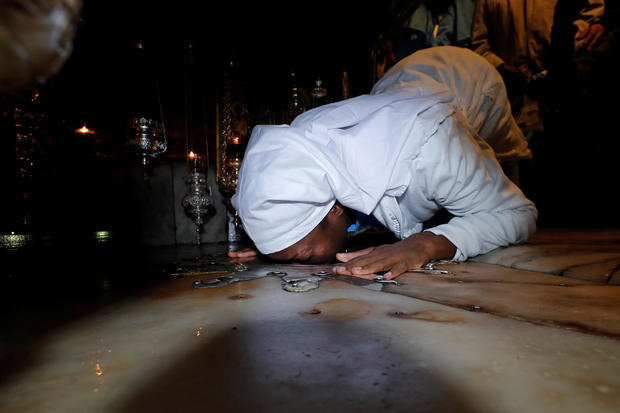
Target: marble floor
column 530, row 328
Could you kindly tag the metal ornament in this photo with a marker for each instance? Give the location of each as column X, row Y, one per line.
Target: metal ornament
column 197, row 200
column 231, row 137
column 147, row 138
column 146, row 135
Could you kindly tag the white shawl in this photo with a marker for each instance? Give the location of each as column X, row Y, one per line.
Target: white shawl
column 354, row 151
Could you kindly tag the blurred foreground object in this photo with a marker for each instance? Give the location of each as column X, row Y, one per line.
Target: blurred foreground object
column 36, row 39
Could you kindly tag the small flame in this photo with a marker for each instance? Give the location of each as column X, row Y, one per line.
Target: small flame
column 191, row 155
column 84, row 130
column 236, row 140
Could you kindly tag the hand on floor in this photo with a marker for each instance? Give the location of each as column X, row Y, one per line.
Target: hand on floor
column 242, row 255
column 411, row 253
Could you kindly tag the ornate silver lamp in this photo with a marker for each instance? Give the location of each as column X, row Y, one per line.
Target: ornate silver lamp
column 146, row 138
column 197, row 201
column 146, row 130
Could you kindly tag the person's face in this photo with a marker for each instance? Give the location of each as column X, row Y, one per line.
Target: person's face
column 322, row 243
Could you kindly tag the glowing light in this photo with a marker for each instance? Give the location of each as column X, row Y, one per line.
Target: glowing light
column 14, row 241
column 236, row 140
column 85, row 131
column 103, row 236
column 98, row 369
column 193, row 161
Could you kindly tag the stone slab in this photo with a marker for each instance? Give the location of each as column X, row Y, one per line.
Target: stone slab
column 525, row 295
column 251, row 346
column 590, row 255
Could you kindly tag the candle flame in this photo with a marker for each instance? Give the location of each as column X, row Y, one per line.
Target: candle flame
column 84, row 130
column 191, row 155
column 236, row 140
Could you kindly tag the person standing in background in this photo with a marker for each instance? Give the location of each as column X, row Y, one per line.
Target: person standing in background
column 515, row 36
column 424, row 24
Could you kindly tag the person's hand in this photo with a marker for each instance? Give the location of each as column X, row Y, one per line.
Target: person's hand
column 245, row 254
column 591, row 35
column 411, row 253
column 506, row 69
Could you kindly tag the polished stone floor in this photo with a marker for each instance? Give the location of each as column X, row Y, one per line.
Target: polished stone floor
column 530, row 328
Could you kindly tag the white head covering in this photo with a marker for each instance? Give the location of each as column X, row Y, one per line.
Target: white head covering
column 351, row 151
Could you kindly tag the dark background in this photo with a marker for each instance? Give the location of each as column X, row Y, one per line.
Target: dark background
column 270, row 39
column 79, row 185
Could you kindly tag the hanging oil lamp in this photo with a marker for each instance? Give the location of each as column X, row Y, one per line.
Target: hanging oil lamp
column 146, row 130
column 197, row 201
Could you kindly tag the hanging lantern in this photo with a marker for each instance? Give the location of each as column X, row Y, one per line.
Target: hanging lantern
column 197, row 201
column 146, row 138
column 146, row 130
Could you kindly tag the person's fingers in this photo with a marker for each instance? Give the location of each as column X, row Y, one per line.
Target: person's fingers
column 582, row 34
column 340, row 270
column 365, row 259
column 398, row 269
column 372, row 267
column 354, row 259
column 587, row 39
column 594, row 40
column 348, row 256
column 243, row 253
column 347, row 271
column 393, row 266
column 365, row 276
column 248, row 253
column 381, row 259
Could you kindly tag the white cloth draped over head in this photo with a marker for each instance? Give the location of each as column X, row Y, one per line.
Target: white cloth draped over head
column 353, row 151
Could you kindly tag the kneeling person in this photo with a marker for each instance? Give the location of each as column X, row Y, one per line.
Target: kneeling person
column 411, row 147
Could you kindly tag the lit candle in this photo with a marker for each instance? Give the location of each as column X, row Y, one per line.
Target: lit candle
column 236, row 140
column 84, row 130
column 194, row 159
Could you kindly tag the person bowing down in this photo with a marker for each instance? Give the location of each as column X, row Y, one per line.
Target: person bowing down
column 430, row 135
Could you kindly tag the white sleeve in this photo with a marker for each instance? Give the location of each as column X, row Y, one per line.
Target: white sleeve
column 459, row 172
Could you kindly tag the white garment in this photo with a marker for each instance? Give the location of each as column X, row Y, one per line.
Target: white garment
column 354, row 151
column 402, row 155
column 478, row 87
column 457, row 170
